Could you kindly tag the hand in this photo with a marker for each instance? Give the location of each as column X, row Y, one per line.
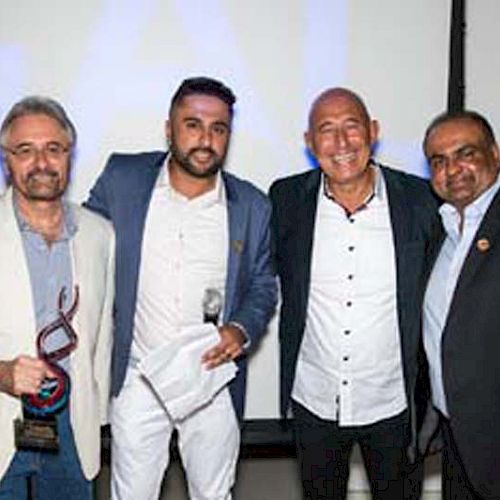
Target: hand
column 23, row 375
column 229, row 347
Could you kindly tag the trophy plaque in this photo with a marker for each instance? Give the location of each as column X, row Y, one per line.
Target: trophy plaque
column 37, row 430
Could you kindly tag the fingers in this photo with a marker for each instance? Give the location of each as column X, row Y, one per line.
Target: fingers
column 228, row 349
column 221, row 353
column 24, row 375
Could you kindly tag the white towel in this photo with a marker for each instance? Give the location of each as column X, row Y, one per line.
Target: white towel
column 177, row 374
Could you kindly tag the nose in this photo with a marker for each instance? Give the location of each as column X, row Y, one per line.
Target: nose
column 340, row 137
column 453, row 166
column 40, row 158
column 206, row 138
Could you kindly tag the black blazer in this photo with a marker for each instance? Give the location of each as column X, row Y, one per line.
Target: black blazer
column 413, row 218
column 471, row 357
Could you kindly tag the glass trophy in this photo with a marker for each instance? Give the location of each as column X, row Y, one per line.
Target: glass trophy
column 37, row 430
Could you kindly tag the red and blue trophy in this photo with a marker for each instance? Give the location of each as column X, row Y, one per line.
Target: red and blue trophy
column 38, row 428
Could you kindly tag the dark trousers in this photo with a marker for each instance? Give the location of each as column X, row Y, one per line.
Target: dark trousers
column 324, row 449
column 455, row 483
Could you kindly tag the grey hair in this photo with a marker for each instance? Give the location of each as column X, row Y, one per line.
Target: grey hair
column 38, row 105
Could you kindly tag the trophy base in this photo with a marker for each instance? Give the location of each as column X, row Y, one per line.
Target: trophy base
column 36, row 435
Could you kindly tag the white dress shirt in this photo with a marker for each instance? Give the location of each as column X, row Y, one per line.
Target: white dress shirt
column 349, row 366
column 184, row 252
column 443, row 281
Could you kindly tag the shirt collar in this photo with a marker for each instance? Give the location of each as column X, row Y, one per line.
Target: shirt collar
column 472, row 212
column 70, row 226
column 217, row 195
column 378, row 193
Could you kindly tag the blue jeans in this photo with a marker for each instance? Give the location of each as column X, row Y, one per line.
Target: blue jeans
column 49, row 476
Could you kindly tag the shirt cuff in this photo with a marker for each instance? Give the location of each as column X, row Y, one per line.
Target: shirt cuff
column 243, row 330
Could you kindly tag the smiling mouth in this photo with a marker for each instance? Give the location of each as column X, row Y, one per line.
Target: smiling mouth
column 345, row 158
column 202, row 156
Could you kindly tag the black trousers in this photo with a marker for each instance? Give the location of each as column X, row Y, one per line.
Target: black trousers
column 324, row 450
column 455, row 484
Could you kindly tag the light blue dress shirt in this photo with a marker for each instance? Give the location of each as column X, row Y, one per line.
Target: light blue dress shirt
column 50, row 270
column 443, row 281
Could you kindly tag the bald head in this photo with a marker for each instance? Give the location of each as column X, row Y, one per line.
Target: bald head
column 340, row 137
column 340, row 93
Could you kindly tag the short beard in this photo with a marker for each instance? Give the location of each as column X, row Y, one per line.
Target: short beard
column 184, row 161
column 33, row 192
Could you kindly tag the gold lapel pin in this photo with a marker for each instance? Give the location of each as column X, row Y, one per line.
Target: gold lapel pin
column 238, row 246
column 483, row 244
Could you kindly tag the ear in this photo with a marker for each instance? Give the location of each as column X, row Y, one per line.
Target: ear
column 168, row 130
column 496, row 155
column 308, row 141
column 374, row 130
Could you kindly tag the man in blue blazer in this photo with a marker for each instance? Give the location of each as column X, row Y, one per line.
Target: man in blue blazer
column 183, row 226
column 349, row 242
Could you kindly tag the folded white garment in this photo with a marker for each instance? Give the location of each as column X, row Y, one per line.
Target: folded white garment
column 177, row 375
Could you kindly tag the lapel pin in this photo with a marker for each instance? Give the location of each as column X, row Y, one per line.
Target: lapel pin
column 238, row 246
column 483, row 244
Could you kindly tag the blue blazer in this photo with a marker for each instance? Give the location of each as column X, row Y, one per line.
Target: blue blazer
column 413, row 213
column 122, row 194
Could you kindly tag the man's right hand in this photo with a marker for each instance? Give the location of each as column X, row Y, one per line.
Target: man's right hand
column 23, row 375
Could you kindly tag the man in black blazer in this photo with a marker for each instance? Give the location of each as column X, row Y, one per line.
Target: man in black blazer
column 349, row 245
column 462, row 306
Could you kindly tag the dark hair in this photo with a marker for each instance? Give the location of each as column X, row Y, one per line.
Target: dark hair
column 465, row 115
column 205, row 86
column 38, row 105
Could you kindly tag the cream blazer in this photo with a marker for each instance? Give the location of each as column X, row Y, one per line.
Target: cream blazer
column 92, row 252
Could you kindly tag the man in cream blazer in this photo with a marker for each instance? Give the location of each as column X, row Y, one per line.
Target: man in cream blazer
column 48, row 244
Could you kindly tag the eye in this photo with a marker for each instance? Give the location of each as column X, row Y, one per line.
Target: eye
column 54, row 148
column 352, row 126
column 437, row 162
column 219, row 129
column 191, row 124
column 326, row 128
column 24, row 150
column 466, row 154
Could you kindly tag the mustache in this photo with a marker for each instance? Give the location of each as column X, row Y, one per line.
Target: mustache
column 202, row 150
column 41, row 171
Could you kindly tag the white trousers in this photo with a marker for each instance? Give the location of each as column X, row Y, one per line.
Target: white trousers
column 209, row 442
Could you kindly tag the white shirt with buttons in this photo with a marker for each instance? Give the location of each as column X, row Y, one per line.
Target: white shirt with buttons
column 349, row 367
column 184, row 252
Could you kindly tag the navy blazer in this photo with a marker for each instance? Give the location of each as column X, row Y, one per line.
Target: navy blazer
column 413, row 217
column 122, row 194
column 470, row 354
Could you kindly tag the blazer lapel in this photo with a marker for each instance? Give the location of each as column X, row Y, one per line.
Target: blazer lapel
column 487, row 236
column 400, row 215
column 237, row 214
column 15, row 294
column 307, row 204
column 402, row 223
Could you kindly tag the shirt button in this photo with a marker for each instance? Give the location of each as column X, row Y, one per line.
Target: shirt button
column 350, row 276
column 348, row 303
column 344, row 382
column 350, row 248
column 345, row 358
column 351, row 220
column 347, row 332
